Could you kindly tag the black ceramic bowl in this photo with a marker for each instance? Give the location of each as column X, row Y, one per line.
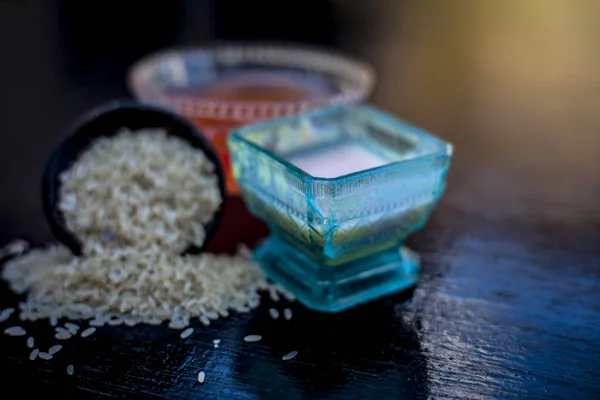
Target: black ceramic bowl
column 105, row 121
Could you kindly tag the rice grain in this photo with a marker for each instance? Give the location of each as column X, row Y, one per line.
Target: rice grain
column 115, row 321
column 30, row 342
column 201, row 376
column 5, row 314
column 252, row 338
column 45, row 356
column 34, row 354
column 273, row 313
column 287, row 313
column 97, row 322
column 88, row 332
column 55, row 349
column 73, row 328
column 290, row 355
column 63, row 336
column 15, row 331
column 70, row 370
column 187, row 333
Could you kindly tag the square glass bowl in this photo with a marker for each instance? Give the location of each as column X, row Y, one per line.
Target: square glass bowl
column 340, row 188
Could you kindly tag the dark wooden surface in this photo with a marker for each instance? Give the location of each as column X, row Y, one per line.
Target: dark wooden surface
column 508, row 305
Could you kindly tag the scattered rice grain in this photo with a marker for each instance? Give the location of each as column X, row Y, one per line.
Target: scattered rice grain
column 274, row 295
column 30, row 342
column 273, row 313
column 53, row 320
column 97, row 322
column 287, row 313
column 201, row 376
column 73, row 328
column 217, row 341
column 45, row 356
column 177, row 325
column 70, row 370
column 4, row 316
column 252, row 338
column 290, row 355
column 204, row 320
column 153, row 321
column 14, row 248
column 63, row 336
column 15, row 331
column 187, row 333
column 211, row 315
column 88, row 332
column 115, row 321
column 55, row 349
column 34, row 354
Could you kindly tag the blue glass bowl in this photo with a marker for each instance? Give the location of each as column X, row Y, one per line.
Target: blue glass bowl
column 340, row 188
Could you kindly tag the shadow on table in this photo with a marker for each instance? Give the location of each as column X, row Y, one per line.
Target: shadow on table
column 365, row 352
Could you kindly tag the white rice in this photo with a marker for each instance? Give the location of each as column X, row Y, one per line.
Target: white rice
column 63, row 336
column 274, row 295
column 216, row 345
column 15, row 331
column 136, row 201
column 217, row 341
column 44, row 355
column 97, row 322
column 53, row 320
column 140, row 189
column 88, row 332
column 55, row 349
column 187, row 333
column 287, row 313
column 30, row 342
column 34, row 354
column 60, row 329
column 115, row 321
column 70, row 370
column 5, row 314
column 290, row 355
column 201, row 376
column 273, row 313
column 73, row 328
column 14, row 248
column 252, row 338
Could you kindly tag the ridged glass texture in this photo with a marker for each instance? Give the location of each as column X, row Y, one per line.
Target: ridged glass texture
column 336, row 242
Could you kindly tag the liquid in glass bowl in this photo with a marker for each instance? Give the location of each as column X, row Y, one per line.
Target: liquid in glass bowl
column 220, row 88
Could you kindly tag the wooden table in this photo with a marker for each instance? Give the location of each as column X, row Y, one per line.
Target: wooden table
column 508, row 305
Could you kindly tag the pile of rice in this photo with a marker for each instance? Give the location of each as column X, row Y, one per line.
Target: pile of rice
column 136, row 201
column 144, row 189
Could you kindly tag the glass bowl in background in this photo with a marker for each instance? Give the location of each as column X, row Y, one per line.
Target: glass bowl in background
column 223, row 87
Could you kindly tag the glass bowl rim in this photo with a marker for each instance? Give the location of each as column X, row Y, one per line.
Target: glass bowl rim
column 146, row 91
column 444, row 149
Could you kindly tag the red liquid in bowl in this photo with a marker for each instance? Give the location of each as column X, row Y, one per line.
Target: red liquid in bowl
column 270, row 90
